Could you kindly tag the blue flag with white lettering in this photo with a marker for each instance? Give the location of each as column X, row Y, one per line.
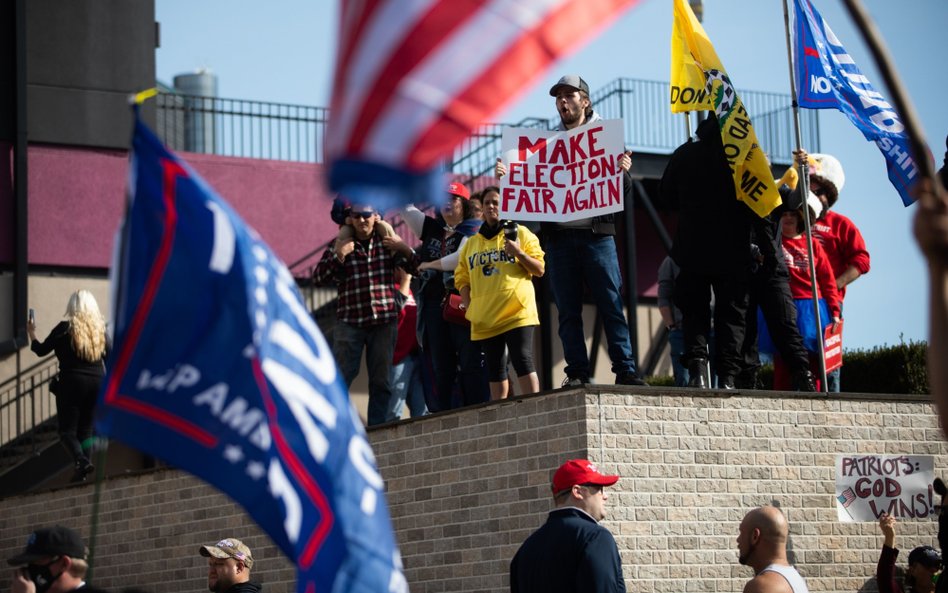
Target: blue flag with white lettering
column 219, row 370
column 827, row 78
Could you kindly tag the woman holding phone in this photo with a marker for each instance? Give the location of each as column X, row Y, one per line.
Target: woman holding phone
column 81, row 345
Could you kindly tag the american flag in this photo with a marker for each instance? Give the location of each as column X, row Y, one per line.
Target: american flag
column 847, row 497
column 414, row 77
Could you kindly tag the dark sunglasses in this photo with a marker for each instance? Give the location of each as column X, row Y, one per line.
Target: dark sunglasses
column 363, row 214
column 821, row 191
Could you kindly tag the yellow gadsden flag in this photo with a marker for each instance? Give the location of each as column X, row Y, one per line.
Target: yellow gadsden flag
column 699, row 82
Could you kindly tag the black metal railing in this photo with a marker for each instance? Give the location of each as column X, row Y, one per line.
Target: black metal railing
column 239, row 128
column 255, row 129
column 26, row 402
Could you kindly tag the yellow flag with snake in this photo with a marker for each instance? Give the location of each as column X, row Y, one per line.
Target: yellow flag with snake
column 699, row 82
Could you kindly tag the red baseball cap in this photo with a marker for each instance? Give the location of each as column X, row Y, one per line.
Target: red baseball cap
column 460, row 190
column 580, row 471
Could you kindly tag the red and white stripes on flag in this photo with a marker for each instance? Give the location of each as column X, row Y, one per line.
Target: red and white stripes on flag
column 414, row 77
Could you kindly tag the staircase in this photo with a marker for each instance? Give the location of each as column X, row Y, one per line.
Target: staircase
column 30, row 454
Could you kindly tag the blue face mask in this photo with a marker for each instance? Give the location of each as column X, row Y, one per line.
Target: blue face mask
column 42, row 576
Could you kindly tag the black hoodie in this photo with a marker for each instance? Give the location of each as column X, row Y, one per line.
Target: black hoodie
column 714, row 228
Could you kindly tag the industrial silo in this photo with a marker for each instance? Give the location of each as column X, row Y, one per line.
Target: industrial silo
column 199, row 91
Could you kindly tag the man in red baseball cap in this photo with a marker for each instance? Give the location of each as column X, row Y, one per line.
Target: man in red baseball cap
column 571, row 552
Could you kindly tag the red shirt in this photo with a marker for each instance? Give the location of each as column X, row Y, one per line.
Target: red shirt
column 794, row 252
column 843, row 244
column 407, row 340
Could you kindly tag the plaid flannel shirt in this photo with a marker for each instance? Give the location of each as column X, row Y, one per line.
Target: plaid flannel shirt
column 366, row 283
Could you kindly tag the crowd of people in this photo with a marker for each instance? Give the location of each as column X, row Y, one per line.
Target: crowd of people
column 738, row 284
column 475, row 307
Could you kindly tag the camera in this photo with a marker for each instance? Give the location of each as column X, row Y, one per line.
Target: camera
column 510, row 230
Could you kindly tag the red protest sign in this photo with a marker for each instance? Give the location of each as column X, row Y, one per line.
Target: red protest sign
column 833, row 346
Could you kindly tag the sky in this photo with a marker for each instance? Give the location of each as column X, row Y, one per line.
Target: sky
column 283, row 51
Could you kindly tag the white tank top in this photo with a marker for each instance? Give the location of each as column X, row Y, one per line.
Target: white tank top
column 790, row 573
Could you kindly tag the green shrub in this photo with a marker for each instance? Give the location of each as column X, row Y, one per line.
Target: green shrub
column 883, row 369
column 886, row 369
column 660, row 380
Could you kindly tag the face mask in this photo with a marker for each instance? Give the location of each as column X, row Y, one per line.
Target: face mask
column 41, row 576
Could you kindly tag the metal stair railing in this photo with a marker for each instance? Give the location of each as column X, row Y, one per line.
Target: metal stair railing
column 26, row 402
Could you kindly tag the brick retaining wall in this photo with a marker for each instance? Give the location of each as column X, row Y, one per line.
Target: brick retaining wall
column 465, row 488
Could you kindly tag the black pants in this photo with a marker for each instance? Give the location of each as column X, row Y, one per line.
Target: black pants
column 693, row 296
column 75, row 405
column 770, row 290
column 519, row 342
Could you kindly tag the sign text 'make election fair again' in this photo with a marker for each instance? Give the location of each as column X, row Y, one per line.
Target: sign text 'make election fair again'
column 578, row 164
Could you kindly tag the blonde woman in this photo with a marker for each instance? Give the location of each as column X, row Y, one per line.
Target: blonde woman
column 80, row 344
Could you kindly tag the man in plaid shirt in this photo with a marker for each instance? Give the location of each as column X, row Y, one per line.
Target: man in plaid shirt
column 366, row 313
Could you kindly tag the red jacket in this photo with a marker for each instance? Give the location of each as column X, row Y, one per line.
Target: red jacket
column 794, row 252
column 843, row 244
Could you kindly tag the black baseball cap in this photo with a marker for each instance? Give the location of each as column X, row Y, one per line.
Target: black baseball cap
column 50, row 541
column 926, row 555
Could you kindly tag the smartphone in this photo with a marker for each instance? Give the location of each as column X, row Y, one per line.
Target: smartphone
column 32, row 316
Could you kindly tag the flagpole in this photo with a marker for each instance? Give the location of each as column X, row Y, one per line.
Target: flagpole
column 804, row 188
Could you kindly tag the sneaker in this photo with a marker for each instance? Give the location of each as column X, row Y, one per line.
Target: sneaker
column 575, row 381
column 726, row 382
column 84, row 467
column 629, row 378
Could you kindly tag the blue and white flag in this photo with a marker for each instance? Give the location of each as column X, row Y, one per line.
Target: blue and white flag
column 827, row 78
column 219, row 370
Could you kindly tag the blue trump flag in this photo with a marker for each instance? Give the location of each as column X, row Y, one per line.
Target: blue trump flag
column 218, row 369
column 827, row 78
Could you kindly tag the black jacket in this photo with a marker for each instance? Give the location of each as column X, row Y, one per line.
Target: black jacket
column 570, row 553
column 247, row 587
column 714, row 228
column 60, row 341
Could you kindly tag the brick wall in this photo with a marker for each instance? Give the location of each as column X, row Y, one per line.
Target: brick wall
column 466, row 488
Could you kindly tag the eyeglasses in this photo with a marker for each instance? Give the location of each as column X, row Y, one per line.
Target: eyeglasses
column 364, row 214
column 821, row 191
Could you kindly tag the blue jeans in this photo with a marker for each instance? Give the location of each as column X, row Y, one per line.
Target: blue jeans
column 832, row 381
column 455, row 358
column 575, row 258
column 676, row 347
column 407, row 386
column 379, row 344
